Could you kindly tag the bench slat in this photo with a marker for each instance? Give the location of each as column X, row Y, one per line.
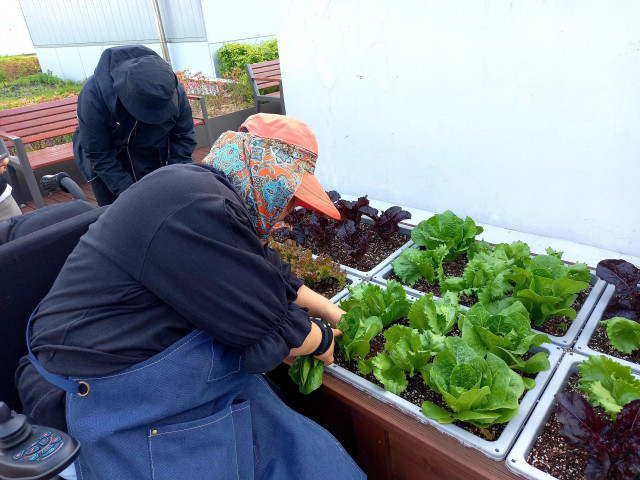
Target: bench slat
column 44, row 121
column 26, row 125
column 43, row 116
column 38, row 106
column 45, row 132
column 51, row 155
column 267, row 63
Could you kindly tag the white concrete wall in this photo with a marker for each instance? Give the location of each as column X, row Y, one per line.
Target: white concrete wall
column 521, row 114
column 77, row 63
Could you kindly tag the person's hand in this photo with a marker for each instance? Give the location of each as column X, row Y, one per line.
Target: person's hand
column 3, row 164
column 332, row 314
column 327, row 357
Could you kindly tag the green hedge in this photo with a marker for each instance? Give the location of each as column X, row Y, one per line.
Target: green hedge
column 233, row 55
column 13, row 67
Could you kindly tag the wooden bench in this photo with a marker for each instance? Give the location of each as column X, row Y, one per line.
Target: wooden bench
column 45, row 121
column 262, row 76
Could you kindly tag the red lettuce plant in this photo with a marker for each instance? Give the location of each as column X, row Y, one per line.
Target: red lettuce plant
column 388, row 222
column 614, row 449
column 351, row 237
column 626, row 278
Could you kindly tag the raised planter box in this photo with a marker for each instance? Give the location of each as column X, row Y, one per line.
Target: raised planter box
column 565, row 341
column 385, row 442
column 582, row 343
column 496, row 449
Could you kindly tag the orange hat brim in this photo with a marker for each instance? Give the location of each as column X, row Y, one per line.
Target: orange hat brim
column 310, row 194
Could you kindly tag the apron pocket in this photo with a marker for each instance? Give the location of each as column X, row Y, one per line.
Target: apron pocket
column 215, row 447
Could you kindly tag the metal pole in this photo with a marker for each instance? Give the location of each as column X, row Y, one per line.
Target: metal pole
column 163, row 39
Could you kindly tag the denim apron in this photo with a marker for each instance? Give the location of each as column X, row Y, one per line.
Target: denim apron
column 192, row 412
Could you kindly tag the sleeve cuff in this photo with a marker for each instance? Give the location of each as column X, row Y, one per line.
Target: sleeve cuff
column 266, row 354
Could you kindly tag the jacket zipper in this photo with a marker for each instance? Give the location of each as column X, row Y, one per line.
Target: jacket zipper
column 133, row 170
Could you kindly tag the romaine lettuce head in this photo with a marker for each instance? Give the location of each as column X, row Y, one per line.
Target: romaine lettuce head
column 358, row 330
column 388, row 304
column 446, row 229
column 438, row 315
column 506, row 334
column 547, row 288
column 480, row 391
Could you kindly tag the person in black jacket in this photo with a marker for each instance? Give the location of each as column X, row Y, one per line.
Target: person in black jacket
column 133, row 118
column 8, row 206
column 150, row 345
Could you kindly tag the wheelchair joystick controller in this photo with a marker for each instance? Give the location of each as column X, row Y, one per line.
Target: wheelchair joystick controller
column 30, row 452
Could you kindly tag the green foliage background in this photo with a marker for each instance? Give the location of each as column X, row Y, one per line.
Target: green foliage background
column 232, row 57
column 13, row 67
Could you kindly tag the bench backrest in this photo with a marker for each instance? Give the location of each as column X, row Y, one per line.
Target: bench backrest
column 265, row 74
column 41, row 121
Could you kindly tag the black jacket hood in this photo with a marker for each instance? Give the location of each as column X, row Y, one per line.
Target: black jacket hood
column 108, row 64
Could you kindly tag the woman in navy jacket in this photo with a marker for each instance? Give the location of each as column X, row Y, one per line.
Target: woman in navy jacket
column 133, row 117
column 150, row 345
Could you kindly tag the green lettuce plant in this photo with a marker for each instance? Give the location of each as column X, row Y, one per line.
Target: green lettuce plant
column 407, row 351
column 478, row 390
column 438, row 315
column 388, row 304
column 307, row 372
column 485, row 276
column 508, row 335
column 547, row 287
column 608, row 384
column 446, row 229
column 413, row 264
column 624, row 334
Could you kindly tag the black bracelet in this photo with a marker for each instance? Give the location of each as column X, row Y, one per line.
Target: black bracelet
column 327, row 337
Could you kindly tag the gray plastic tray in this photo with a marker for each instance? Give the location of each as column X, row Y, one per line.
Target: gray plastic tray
column 517, row 458
column 496, row 449
column 582, row 343
column 565, row 341
column 352, row 281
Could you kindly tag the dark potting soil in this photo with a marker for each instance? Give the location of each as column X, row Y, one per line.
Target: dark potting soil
column 451, row 269
column 600, row 342
column 417, row 390
column 554, row 454
column 556, row 326
column 327, row 287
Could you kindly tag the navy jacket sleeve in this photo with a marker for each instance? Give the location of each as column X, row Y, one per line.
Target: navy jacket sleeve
column 182, row 141
column 208, row 264
column 97, row 148
column 273, row 257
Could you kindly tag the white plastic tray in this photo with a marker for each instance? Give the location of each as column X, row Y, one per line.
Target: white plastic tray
column 496, row 449
column 582, row 343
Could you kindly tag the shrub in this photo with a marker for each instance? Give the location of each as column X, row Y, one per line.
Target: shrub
column 13, row 67
column 232, row 58
column 233, row 55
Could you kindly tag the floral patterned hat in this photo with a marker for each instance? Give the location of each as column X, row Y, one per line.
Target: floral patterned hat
column 270, row 160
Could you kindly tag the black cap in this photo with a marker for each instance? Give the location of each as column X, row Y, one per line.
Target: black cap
column 146, row 86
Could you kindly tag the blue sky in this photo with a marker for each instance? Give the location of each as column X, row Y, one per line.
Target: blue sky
column 15, row 37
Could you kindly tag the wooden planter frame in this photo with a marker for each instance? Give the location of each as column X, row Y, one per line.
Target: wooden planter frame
column 386, row 443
